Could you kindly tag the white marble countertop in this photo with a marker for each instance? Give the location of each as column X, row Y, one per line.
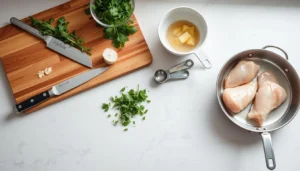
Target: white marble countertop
column 185, row 128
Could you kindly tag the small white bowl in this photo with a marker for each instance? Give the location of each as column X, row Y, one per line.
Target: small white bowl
column 193, row 16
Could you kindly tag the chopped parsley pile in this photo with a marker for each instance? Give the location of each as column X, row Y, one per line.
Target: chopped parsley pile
column 128, row 105
column 114, row 12
column 60, row 32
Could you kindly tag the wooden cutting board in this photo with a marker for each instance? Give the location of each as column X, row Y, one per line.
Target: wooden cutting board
column 23, row 55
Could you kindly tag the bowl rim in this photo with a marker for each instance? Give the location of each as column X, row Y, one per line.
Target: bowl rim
column 163, row 19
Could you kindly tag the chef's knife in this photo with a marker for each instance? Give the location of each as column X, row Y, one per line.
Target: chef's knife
column 60, row 89
column 56, row 44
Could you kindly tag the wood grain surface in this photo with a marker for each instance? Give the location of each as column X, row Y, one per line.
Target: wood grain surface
column 23, row 55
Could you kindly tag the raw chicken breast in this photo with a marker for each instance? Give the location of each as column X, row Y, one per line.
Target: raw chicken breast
column 236, row 99
column 266, row 76
column 241, row 74
column 269, row 96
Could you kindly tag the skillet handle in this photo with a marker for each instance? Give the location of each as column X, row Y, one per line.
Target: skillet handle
column 269, row 152
column 275, row 47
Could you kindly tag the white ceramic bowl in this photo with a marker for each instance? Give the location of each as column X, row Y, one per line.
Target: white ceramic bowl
column 193, row 16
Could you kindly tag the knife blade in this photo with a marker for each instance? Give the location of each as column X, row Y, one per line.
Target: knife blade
column 55, row 44
column 59, row 89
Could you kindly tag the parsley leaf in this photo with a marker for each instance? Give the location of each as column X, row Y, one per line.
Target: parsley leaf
column 123, row 89
column 105, row 106
column 116, row 122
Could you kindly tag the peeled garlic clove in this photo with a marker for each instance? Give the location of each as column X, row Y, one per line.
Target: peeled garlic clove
column 110, row 56
column 48, row 70
column 41, row 74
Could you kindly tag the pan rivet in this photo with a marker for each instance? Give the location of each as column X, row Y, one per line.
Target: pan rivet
column 250, row 54
column 257, row 128
column 286, row 70
column 265, row 128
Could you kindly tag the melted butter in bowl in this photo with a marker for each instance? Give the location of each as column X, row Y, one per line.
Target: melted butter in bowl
column 183, row 36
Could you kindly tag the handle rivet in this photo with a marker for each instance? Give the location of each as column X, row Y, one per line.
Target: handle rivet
column 31, row 100
column 286, row 70
column 20, row 106
column 44, row 94
column 250, row 54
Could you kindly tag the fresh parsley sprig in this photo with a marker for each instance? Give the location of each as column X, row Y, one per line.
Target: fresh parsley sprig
column 60, row 31
column 119, row 35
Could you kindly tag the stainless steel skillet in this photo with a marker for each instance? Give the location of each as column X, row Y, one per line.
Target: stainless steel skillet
column 288, row 79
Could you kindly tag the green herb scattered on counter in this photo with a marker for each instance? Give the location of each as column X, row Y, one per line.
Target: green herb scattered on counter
column 114, row 12
column 105, row 106
column 144, row 118
column 128, row 105
column 60, row 31
column 126, row 129
column 109, row 116
column 123, row 89
column 116, row 122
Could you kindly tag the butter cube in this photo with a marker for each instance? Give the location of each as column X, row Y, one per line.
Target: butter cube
column 183, row 38
column 191, row 30
column 191, row 41
column 185, row 27
column 177, row 41
column 176, row 31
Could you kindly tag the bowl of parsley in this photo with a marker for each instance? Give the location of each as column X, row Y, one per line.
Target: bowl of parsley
column 112, row 13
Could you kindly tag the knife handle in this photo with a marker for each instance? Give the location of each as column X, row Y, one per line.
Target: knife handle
column 29, row 103
column 27, row 28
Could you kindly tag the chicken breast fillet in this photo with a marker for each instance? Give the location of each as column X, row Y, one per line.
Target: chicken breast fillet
column 236, row 99
column 266, row 76
column 241, row 74
column 269, row 96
